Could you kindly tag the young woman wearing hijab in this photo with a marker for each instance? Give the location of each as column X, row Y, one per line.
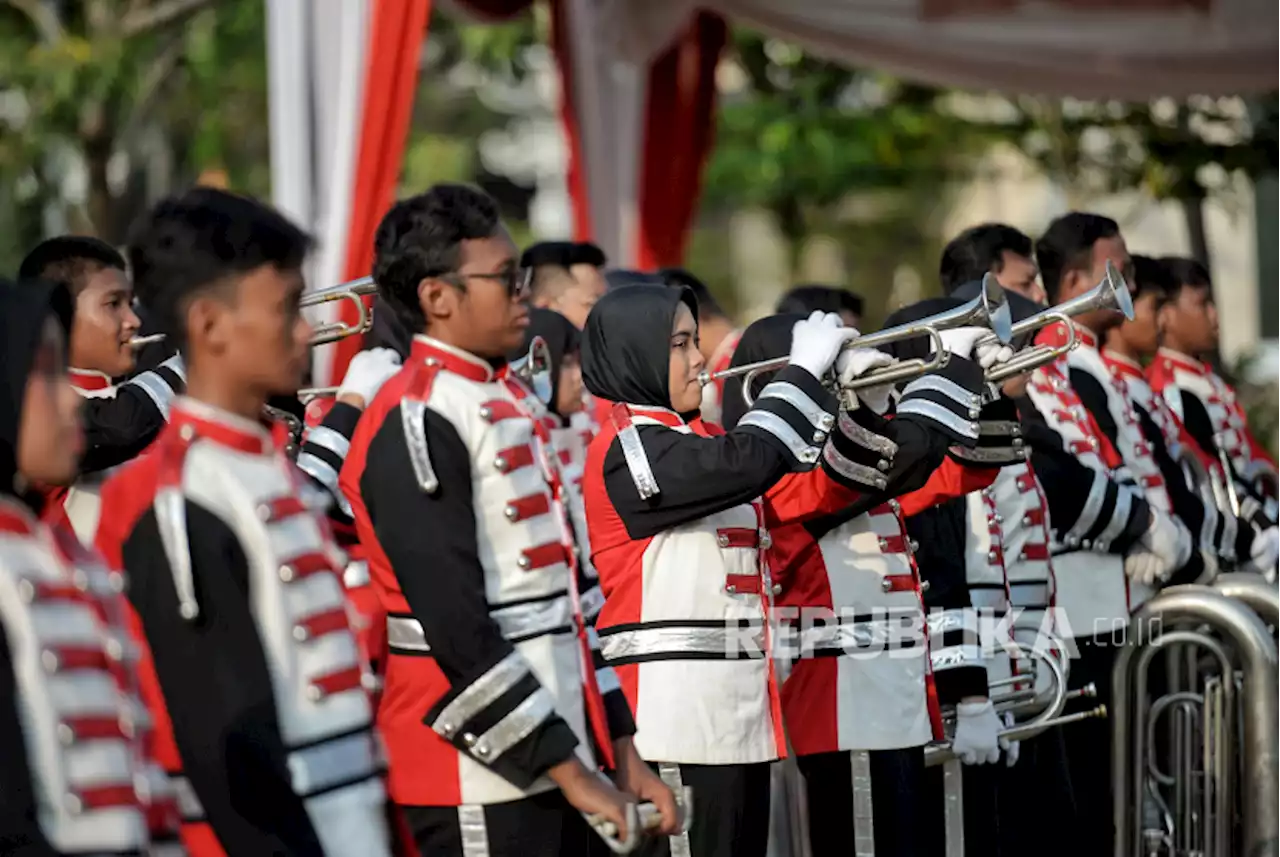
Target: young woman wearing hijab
column 677, row 510
column 860, row 701
column 65, row 691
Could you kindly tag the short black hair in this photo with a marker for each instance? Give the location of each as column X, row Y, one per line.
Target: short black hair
column 200, row 242
column 1185, row 273
column 550, row 262
column 69, row 260
column 708, row 306
column 1067, row 245
column 976, row 251
column 421, row 237
column 1150, row 277
column 808, row 297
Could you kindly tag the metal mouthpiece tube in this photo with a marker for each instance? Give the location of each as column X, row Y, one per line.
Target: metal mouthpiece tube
column 140, row 341
column 989, row 309
column 354, row 291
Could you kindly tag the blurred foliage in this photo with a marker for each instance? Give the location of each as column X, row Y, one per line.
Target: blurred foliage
column 1261, row 401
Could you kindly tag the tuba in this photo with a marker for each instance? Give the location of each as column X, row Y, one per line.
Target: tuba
column 989, row 309
column 1216, row 714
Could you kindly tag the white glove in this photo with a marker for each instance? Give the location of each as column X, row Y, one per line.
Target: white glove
column 1264, row 553
column 816, row 342
column 368, row 371
column 1163, row 548
column 1012, row 749
column 961, row 340
column 976, row 741
column 856, row 362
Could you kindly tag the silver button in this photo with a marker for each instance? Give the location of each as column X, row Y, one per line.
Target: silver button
column 883, row 542
column 731, row 589
column 819, row 436
column 973, row 413
column 286, row 573
column 445, row 728
column 826, row 421
column 924, row 586
column 777, row 588
column 187, row 432
column 300, row 633
column 486, row 413
column 991, row 556
column 81, row 580
column 26, row 591
column 766, row 540
column 810, row 455
column 1026, row 520
column 115, row 580
column 500, row 463
column 314, row 693
column 72, row 803
column 481, row 750
column 511, row 512
column 883, row 465
column 524, row 562
column 999, row 519
column 886, row 585
column 1086, row 544
column 264, row 513
column 913, row 545
column 66, row 734
column 722, row 540
column 469, row 739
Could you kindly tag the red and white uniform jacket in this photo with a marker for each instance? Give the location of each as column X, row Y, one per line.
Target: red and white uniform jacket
column 488, row 682
column 1218, row 532
column 713, row 393
column 1010, row 567
column 861, row 677
column 254, row 674
column 1207, row 406
column 77, row 775
column 571, row 458
column 681, row 539
column 1096, row 511
column 120, row 422
column 1145, row 457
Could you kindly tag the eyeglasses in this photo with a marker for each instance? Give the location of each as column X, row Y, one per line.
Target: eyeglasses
column 515, row 280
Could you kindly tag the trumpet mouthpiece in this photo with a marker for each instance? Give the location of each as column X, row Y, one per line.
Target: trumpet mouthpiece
column 140, row 341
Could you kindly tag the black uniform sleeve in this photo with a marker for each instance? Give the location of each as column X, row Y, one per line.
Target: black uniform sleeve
column 1000, row 442
column 1084, row 504
column 1094, row 397
column 118, row 429
column 324, row 450
column 432, row 544
column 1253, row 515
column 214, row 676
column 696, row 476
column 20, row 833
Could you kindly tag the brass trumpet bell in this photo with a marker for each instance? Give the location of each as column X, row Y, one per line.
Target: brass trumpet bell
column 988, row 309
column 534, row 369
column 1112, row 293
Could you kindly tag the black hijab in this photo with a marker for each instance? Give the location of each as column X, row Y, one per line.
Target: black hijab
column 626, row 345
column 562, row 339
column 765, row 339
column 24, row 308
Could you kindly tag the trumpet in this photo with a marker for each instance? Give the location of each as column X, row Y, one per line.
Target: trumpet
column 534, row 369
column 1112, row 292
column 989, row 309
column 354, row 291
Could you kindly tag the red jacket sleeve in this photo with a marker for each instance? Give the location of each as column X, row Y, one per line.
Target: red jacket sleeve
column 950, row 480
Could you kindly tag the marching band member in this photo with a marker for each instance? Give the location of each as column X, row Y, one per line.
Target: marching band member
column 1110, row 545
column 565, row 398
column 717, row 338
column 121, row 420
column 487, row 698
column 566, row 277
column 76, row 776
column 1008, row 566
column 254, row 674
column 858, row 708
column 805, row 299
column 1202, row 402
column 676, row 534
column 1219, row 533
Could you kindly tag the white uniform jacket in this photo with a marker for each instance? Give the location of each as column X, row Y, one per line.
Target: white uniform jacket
column 1097, row 511
column 72, row 729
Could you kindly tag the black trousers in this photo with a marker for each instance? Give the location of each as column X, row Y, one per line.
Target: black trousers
column 1037, row 809
column 730, row 812
column 1088, row 748
column 544, row 825
column 897, row 784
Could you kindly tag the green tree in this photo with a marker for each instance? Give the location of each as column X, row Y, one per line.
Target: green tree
column 851, row 153
column 93, row 79
column 1185, row 150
